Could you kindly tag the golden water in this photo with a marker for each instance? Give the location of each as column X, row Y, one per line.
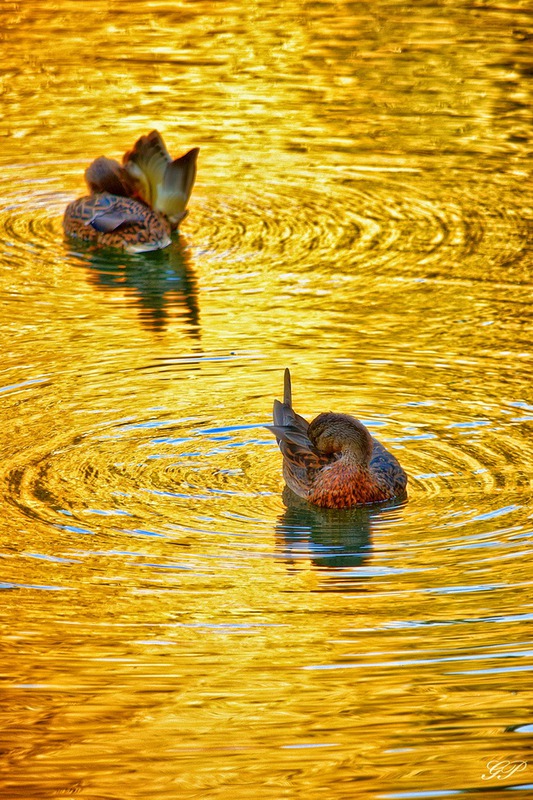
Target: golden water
column 361, row 215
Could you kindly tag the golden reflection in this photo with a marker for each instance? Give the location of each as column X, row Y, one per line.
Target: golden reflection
column 163, row 284
column 362, row 215
column 329, row 538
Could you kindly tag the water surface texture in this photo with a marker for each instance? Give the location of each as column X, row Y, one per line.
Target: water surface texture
column 362, row 214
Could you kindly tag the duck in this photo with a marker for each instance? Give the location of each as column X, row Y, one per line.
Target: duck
column 136, row 205
column 334, row 461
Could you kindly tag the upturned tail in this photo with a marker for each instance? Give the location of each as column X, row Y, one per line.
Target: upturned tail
column 288, row 425
column 287, row 389
column 301, row 460
column 162, row 183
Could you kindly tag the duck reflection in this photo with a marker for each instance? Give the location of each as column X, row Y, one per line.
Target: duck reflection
column 163, row 283
column 329, row 537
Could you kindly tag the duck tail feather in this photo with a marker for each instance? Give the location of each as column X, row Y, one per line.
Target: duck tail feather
column 287, row 389
column 146, row 162
column 176, row 186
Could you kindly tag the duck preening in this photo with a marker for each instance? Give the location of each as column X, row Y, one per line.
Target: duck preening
column 134, row 206
column 334, row 461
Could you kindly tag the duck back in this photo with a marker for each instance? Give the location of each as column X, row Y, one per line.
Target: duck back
column 108, row 220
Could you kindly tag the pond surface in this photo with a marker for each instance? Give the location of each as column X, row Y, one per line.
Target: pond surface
column 362, row 215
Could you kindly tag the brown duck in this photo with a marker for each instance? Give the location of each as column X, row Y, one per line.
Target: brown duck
column 334, row 462
column 134, row 206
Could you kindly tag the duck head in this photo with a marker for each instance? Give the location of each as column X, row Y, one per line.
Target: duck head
column 342, row 435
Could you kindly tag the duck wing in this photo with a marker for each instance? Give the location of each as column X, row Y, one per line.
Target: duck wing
column 112, row 220
column 387, row 469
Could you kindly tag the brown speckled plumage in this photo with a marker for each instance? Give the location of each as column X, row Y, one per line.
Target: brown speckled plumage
column 334, row 462
column 139, row 228
column 134, row 206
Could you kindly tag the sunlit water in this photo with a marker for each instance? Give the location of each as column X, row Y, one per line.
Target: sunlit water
column 362, row 214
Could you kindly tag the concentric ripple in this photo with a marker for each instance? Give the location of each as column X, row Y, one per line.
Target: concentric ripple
column 200, row 478
column 361, row 226
column 174, row 623
column 363, row 221
column 31, row 210
column 366, row 223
